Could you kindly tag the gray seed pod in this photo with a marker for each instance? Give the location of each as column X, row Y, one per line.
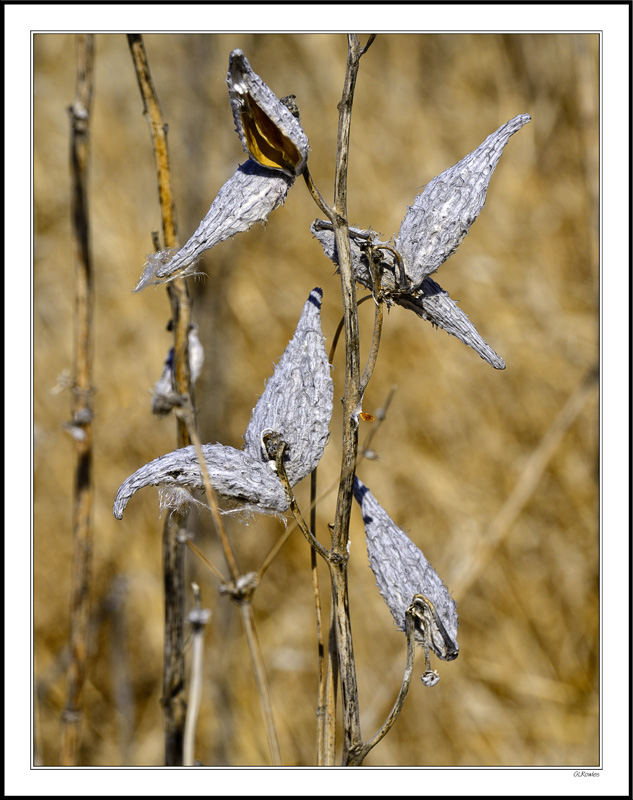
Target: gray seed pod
column 278, row 150
column 404, row 575
column 441, row 216
column 428, row 300
column 232, row 472
column 433, row 229
column 164, row 397
column 248, row 197
column 434, row 304
column 297, row 403
column 269, row 132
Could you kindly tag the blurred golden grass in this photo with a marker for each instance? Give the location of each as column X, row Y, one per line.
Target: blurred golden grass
column 458, row 435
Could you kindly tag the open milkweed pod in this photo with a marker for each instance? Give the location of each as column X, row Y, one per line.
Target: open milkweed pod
column 432, row 230
column 296, row 404
column 406, row 580
column 269, row 132
column 278, row 149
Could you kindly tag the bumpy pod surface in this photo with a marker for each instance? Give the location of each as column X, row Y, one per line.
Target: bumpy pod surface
column 440, row 217
column 428, row 300
column 278, row 151
column 433, row 228
column 297, row 404
column 403, row 574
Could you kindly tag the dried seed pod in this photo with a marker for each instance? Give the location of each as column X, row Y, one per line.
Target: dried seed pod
column 233, row 474
column 428, row 300
column 434, row 304
column 434, row 227
column 164, row 397
column 249, row 196
column 439, row 219
column 297, row 404
column 268, row 130
column 406, row 580
column 278, row 148
column 297, row 401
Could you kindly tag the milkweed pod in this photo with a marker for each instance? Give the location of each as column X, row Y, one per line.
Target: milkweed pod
column 406, row 580
column 296, row 405
column 269, row 132
column 439, row 219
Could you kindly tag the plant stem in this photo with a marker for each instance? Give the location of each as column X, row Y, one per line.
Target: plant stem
column 174, row 705
column 351, row 405
column 357, row 758
column 257, row 663
column 81, row 423
column 241, row 594
column 198, row 619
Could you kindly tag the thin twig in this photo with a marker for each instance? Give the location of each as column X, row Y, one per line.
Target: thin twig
column 199, row 554
column 501, row 525
column 322, row 686
column 257, row 663
column 198, row 618
column 241, row 592
column 294, row 507
column 316, row 194
column 339, row 329
column 351, row 404
column 186, row 414
column 81, row 422
column 374, row 346
column 174, row 705
column 360, row 755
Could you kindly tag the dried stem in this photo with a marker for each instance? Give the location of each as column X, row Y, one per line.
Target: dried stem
column 198, row 618
column 187, row 415
column 358, row 757
column 341, row 656
column 322, row 690
column 241, row 590
column 81, row 423
column 296, row 512
column 174, row 705
column 257, row 663
column 351, row 404
column 316, row 195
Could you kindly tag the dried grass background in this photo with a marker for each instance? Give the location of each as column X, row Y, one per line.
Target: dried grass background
column 458, row 437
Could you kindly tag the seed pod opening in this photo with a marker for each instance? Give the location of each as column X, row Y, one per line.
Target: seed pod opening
column 269, row 132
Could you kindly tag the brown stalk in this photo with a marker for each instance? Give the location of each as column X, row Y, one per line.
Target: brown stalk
column 81, row 422
column 351, row 405
column 341, row 655
column 174, row 704
column 357, row 758
column 241, row 593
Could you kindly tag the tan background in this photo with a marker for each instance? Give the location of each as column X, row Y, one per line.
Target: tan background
column 459, row 436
